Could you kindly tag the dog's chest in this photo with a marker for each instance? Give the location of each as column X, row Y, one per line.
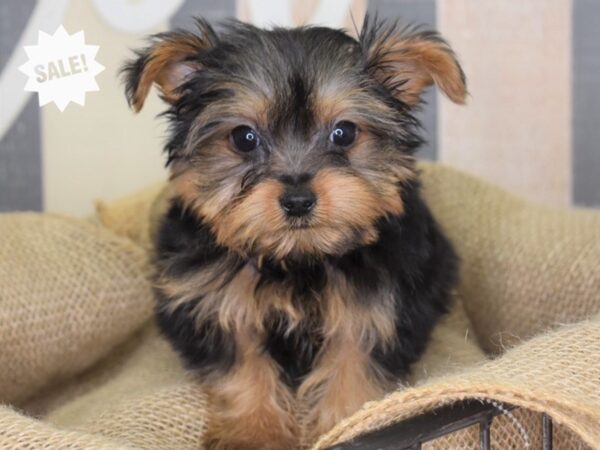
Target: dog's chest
column 296, row 312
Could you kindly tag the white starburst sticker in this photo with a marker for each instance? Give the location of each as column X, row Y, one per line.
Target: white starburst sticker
column 61, row 68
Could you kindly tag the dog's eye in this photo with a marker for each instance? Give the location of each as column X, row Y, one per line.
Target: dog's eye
column 343, row 133
column 244, row 138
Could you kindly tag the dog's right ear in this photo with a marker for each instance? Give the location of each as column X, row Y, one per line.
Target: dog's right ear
column 407, row 59
column 169, row 61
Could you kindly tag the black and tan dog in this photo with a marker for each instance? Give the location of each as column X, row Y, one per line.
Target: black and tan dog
column 299, row 271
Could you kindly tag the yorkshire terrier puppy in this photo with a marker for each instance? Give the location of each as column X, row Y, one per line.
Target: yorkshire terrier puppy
column 300, row 273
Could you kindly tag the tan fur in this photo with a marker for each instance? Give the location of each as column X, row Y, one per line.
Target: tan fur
column 335, row 101
column 235, row 304
column 191, row 186
column 350, row 200
column 340, row 384
column 256, row 219
column 345, row 314
column 399, row 169
column 420, row 62
column 251, row 408
column 256, row 223
column 343, row 378
column 166, row 67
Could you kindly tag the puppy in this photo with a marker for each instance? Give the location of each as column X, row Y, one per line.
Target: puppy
column 299, row 271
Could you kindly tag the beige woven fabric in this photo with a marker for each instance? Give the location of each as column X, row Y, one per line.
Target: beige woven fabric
column 525, row 268
column 136, row 215
column 87, row 368
column 69, row 292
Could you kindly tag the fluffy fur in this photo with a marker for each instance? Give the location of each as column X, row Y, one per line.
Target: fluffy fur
column 294, row 322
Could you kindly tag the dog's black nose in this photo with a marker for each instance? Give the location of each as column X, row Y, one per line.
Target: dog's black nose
column 297, row 201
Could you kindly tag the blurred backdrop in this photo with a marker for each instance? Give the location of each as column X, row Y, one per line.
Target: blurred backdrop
column 532, row 122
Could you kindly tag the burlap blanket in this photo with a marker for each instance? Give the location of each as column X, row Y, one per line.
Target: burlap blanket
column 82, row 366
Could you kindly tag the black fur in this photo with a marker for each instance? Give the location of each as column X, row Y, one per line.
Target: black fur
column 295, row 352
column 207, row 349
column 184, row 246
column 423, row 266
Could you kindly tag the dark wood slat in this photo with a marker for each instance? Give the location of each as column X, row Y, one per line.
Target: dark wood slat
column 484, row 433
column 546, row 432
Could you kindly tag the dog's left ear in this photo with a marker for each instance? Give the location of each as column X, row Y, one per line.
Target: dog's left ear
column 407, row 60
column 168, row 62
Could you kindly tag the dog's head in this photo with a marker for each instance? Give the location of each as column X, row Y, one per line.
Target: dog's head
column 291, row 142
